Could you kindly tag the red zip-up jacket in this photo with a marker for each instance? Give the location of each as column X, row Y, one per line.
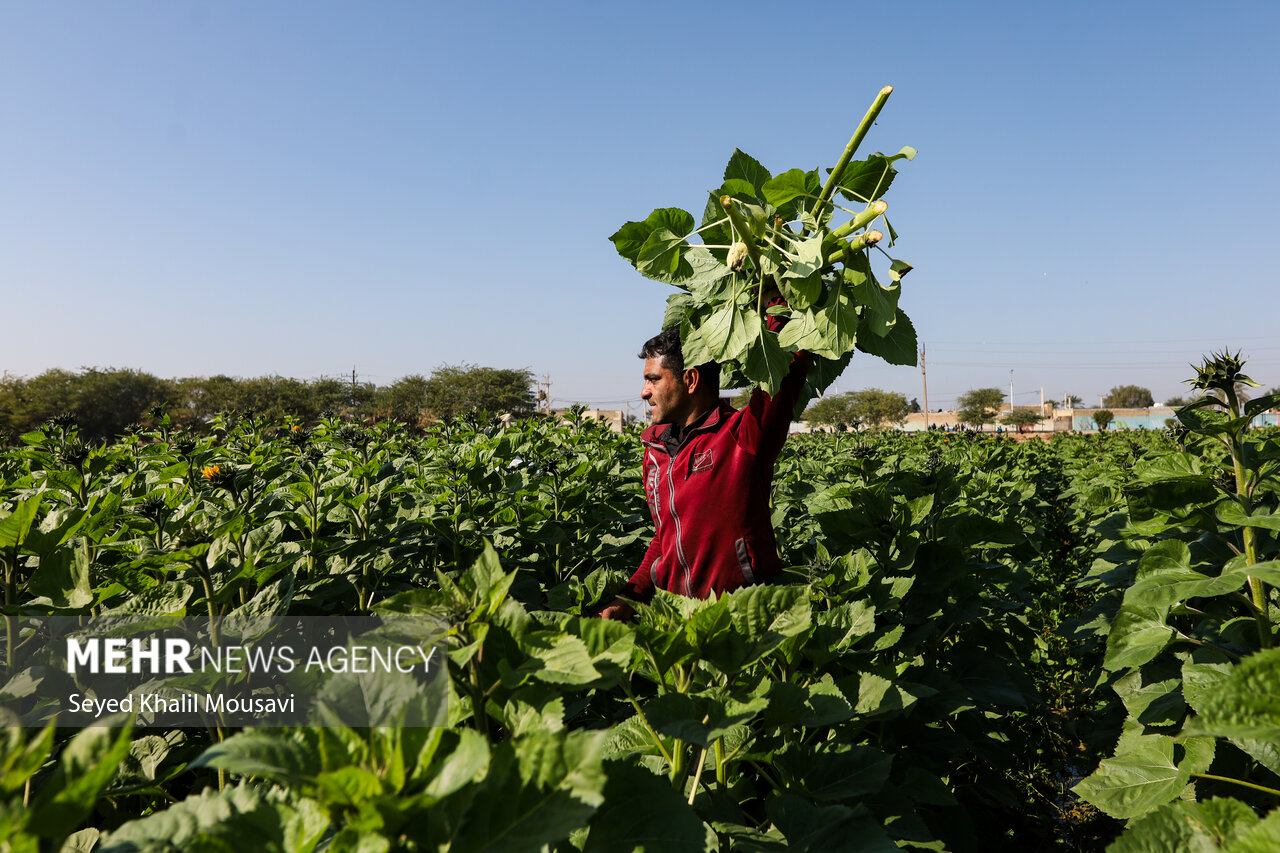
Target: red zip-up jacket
column 710, row 502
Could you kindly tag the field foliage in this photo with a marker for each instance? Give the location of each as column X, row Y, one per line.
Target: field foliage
column 969, row 627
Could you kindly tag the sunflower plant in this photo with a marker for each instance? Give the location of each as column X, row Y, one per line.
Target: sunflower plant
column 795, row 233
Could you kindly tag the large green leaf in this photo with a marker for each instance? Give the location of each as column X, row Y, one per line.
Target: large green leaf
column 269, row 755
column 1246, row 704
column 766, row 361
column 744, row 167
column 1138, row 634
column 812, row 706
column 631, row 237
column 827, row 829
column 86, row 765
column 899, row 346
column 879, row 304
column 783, row 188
column 723, row 336
column 1262, row 837
column 1151, row 693
column 661, row 253
column 539, row 789
column 1137, row 781
column 15, row 526
column 1163, row 589
column 21, row 755
column 837, row 772
column 1230, row 512
column 698, row 719
column 642, row 812
column 869, row 179
column 63, row 578
column 763, row 617
column 235, row 819
column 1188, row 826
column 1170, row 467
column 558, row 659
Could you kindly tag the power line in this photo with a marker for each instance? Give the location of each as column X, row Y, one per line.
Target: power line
column 1233, row 338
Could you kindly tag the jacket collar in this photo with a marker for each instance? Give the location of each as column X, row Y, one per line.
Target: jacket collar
column 655, row 435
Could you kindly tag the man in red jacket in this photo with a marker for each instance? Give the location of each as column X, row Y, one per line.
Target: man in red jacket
column 708, row 470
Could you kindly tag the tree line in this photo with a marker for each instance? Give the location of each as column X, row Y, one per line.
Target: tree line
column 106, row 402
column 876, row 409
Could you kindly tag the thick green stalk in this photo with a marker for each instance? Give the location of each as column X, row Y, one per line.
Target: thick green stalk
column 697, row 775
column 10, row 621
column 1245, row 784
column 857, row 244
column 657, row 739
column 873, row 210
column 1262, row 613
column 744, row 232
column 478, row 712
column 833, row 180
column 677, row 761
column 720, row 774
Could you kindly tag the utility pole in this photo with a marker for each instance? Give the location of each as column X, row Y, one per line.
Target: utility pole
column 1042, row 399
column 1011, row 390
column 546, row 379
column 924, row 380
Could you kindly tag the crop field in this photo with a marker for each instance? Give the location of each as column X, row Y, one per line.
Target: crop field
column 978, row 644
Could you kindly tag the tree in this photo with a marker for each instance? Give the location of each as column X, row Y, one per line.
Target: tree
column 1103, row 418
column 405, row 399
column 1072, row 401
column 112, row 399
column 1023, row 419
column 878, row 409
column 743, row 397
column 1128, row 397
column 914, row 408
column 872, row 407
column 456, row 388
column 828, row 411
column 979, row 406
column 1175, row 402
column 103, row 401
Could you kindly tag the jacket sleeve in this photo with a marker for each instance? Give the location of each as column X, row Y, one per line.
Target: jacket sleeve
column 640, row 587
column 764, row 429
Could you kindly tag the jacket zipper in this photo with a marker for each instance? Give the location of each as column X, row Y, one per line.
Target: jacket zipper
column 671, row 491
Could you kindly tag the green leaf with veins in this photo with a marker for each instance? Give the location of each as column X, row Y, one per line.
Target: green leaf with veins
column 745, row 167
column 898, row 347
column 825, row 317
column 632, row 236
column 836, row 324
column 660, row 255
column 880, row 304
column 808, row 260
column 785, row 187
column 766, row 361
column 723, row 336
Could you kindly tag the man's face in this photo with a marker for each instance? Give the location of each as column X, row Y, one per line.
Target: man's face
column 665, row 392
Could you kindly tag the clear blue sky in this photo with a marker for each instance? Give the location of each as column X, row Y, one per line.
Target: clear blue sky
column 192, row 188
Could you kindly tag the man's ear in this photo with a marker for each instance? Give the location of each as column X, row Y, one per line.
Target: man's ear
column 692, row 379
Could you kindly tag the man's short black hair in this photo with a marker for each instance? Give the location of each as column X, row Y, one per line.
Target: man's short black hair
column 665, row 346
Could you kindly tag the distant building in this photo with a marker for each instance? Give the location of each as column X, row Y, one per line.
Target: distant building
column 615, row 418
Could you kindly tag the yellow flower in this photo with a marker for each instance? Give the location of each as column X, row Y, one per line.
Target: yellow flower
column 211, row 472
column 295, row 428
